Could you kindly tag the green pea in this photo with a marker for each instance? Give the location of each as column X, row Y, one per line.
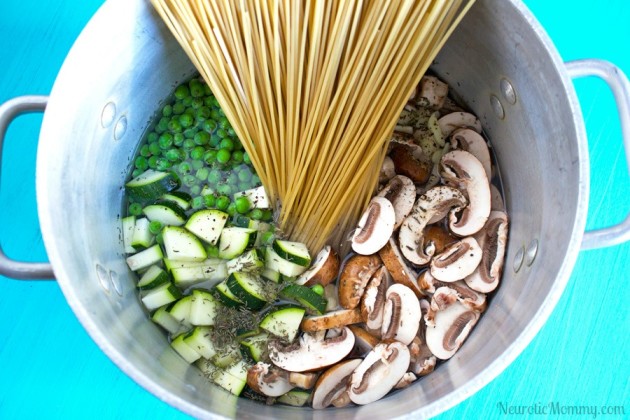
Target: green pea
column 184, row 168
column 178, row 108
column 232, row 179
column 222, row 202
column 167, row 111
column 210, row 200
column 197, row 164
column 203, row 113
column 141, row 162
column 267, row 215
column 152, row 137
column 135, row 209
column 206, row 89
column 189, row 180
column 231, row 210
column 212, row 251
column 197, row 202
column 267, row 238
column 227, row 144
column 136, row 172
column 196, row 89
column 214, row 177
column 319, row 289
column 178, row 139
column 154, row 148
column 222, row 133
column 153, row 162
column 166, row 141
column 214, row 140
column 189, row 133
column 201, row 138
column 242, row 186
column 246, row 158
column 242, row 205
column 155, row 227
column 159, row 238
column 195, row 189
column 163, row 164
column 215, row 114
column 224, row 123
column 237, row 156
column 197, row 152
column 182, row 92
column 210, row 156
column 186, row 120
column 255, row 180
column 202, row 173
column 175, row 126
column 231, row 132
column 244, row 175
column 256, row 214
column 224, row 189
column 223, row 156
column 189, row 144
column 209, row 125
column 214, row 102
column 187, row 101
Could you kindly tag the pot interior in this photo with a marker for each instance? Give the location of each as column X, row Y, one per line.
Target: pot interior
column 126, row 63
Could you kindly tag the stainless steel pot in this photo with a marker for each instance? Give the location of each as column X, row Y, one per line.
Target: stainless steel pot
column 125, row 62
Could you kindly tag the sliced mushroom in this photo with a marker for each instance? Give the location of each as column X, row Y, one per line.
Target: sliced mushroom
column 379, row 372
column 469, row 297
column 332, row 297
column 373, row 300
column 364, row 341
column 406, row 163
column 407, row 379
column 333, row 319
column 422, row 360
column 375, row 227
column 323, row 270
column 462, row 170
column 493, row 241
column 434, row 180
column 448, row 323
column 388, row 171
column 457, row 261
column 398, row 268
column 436, row 239
column 433, row 90
column 471, row 141
column 401, row 314
column 355, row 275
column 401, row 192
column 449, row 122
column 342, row 400
column 268, row 380
column 333, row 382
column 496, row 199
column 309, row 353
column 428, row 208
column 303, row 380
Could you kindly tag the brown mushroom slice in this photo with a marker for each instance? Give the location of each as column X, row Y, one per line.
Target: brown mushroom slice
column 462, row 170
column 457, row 261
column 355, row 275
column 375, row 227
column 330, row 320
column 433, row 91
column 373, row 300
column 409, row 163
column 379, row 372
column 450, row 122
column 398, row 268
column 407, row 379
column 333, row 382
column 401, row 192
column 303, row 380
column 432, row 205
column 332, row 297
column 268, row 380
column 323, row 270
column 309, row 353
column 388, row 171
column 401, row 314
column 364, row 341
column 471, row 141
column 448, row 324
column 496, row 199
column 493, row 241
column 422, row 360
column 466, row 295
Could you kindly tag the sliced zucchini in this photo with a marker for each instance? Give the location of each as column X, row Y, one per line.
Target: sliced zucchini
column 180, row 310
column 248, row 288
column 180, row 198
column 227, row 356
column 212, row 271
column 142, row 237
column 232, row 379
column 161, row 296
column 180, row 244
column 204, row 308
column 295, row 397
column 226, row 296
column 152, row 184
column 146, row 258
column 295, row 252
column 274, row 262
column 283, row 322
column 271, row 275
column 128, row 225
column 165, row 212
column 257, row 197
column 235, row 241
column 306, row 297
column 255, row 347
column 166, row 320
column 207, row 224
column 170, row 263
column 188, row 353
column 199, row 339
column 250, row 261
column 154, row 276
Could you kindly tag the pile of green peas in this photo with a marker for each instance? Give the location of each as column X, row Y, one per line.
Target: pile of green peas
column 192, row 137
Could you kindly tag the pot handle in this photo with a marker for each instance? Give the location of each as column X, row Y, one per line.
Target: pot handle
column 620, row 87
column 8, row 112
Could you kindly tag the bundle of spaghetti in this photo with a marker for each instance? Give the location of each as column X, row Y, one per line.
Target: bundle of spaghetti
column 313, row 89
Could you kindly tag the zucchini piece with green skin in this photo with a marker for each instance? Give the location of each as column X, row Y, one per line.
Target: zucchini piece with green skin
column 248, row 288
column 188, row 353
column 185, row 277
column 227, row 356
column 146, row 258
column 154, row 276
column 180, row 198
column 152, row 184
column 170, row 263
column 166, row 320
column 163, row 295
column 255, row 347
column 307, row 297
column 283, row 322
column 200, row 340
column 235, row 240
column 128, row 227
column 207, row 224
column 165, row 212
column 180, row 244
column 204, row 308
column 142, row 237
column 232, row 379
column 271, row 275
column 274, row 262
column 251, row 261
column 295, row 397
column 295, row 252
column 180, row 310
column 226, row 296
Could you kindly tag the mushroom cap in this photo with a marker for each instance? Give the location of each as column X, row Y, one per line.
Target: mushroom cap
column 333, row 382
column 398, row 268
column 388, row 171
column 379, row 372
column 355, row 275
column 334, row 319
column 375, row 227
column 433, row 91
column 428, row 208
column 323, row 270
column 457, row 261
column 462, row 170
column 448, row 323
column 471, row 141
column 401, row 314
column 409, row 163
column 401, row 192
column 373, row 300
column 268, row 380
column 493, row 242
column 309, row 353
column 450, row 122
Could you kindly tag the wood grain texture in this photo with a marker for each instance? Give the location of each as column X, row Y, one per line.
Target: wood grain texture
column 50, row 367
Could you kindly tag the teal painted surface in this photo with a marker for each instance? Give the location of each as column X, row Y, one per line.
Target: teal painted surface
column 50, row 367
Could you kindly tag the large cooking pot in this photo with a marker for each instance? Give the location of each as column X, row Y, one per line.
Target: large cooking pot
column 110, row 85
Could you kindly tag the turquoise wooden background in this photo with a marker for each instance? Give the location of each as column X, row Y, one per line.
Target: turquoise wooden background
column 50, row 368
